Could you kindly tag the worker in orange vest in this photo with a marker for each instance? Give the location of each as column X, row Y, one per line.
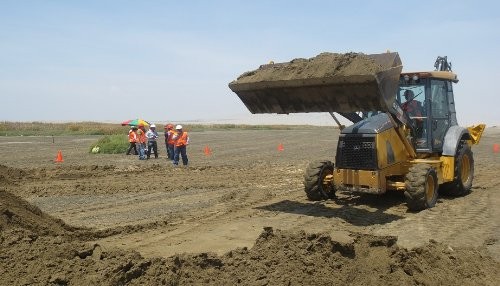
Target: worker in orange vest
column 169, row 140
column 143, row 129
column 181, row 140
column 141, row 140
column 132, row 139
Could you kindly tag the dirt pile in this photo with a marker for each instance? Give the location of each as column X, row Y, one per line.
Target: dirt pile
column 7, row 174
column 36, row 250
column 322, row 65
column 299, row 258
column 16, row 213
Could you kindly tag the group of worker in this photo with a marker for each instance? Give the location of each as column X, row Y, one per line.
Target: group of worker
column 144, row 142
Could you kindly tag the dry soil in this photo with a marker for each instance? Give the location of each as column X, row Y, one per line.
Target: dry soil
column 322, row 65
column 236, row 217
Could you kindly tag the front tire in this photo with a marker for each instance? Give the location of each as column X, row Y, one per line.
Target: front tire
column 421, row 187
column 463, row 173
column 314, row 186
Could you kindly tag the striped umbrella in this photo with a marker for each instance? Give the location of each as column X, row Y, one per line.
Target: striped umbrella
column 135, row 122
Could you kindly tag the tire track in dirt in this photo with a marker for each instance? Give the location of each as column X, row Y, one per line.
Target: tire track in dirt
column 464, row 221
column 226, row 223
column 119, row 208
column 112, row 210
column 471, row 220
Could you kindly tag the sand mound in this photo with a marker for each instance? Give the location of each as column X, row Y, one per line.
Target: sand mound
column 16, row 213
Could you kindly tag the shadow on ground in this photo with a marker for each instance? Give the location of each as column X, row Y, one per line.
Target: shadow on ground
column 359, row 210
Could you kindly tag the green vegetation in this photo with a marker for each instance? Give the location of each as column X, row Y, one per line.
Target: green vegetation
column 97, row 128
column 112, row 144
column 58, row 129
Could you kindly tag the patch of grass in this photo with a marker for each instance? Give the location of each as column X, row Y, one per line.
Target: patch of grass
column 111, row 144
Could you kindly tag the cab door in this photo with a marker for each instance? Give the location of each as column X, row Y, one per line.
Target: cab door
column 440, row 113
column 420, row 119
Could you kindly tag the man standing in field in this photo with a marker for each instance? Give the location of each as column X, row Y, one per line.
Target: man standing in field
column 141, row 140
column 181, row 140
column 169, row 141
column 152, row 135
column 132, row 139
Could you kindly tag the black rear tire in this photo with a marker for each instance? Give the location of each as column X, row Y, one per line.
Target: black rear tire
column 463, row 173
column 314, row 185
column 421, row 187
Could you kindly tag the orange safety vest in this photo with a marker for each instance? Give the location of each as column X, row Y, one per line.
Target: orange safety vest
column 182, row 139
column 141, row 137
column 170, row 137
column 132, row 136
column 413, row 108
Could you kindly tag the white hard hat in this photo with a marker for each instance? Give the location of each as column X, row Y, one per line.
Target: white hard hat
column 153, row 126
column 178, row 127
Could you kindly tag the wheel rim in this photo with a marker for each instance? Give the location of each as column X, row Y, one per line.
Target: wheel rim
column 430, row 188
column 324, row 185
column 465, row 169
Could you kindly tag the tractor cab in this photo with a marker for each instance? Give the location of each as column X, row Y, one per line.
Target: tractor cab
column 427, row 99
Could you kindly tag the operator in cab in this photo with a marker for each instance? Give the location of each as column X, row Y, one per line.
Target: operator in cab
column 411, row 105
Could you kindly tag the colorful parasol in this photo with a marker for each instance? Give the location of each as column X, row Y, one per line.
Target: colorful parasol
column 135, row 122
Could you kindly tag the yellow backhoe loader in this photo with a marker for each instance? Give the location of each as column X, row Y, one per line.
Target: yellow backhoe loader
column 404, row 136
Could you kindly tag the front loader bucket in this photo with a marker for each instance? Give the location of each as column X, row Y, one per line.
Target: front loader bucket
column 352, row 87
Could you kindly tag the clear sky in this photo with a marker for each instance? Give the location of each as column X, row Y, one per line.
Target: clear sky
column 172, row 60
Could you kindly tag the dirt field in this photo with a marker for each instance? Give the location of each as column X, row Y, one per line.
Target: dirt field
column 238, row 216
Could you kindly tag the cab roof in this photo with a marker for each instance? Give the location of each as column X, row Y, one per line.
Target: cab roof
column 447, row 75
